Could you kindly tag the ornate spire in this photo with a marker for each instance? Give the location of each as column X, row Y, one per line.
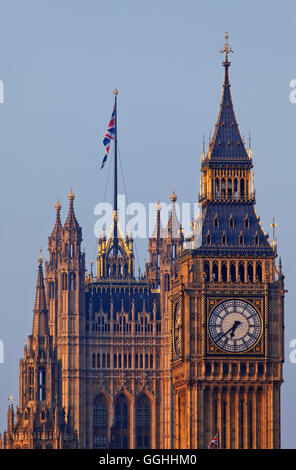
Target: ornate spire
column 71, row 222
column 40, row 321
column 158, row 230
column 58, row 226
column 173, row 227
column 227, row 143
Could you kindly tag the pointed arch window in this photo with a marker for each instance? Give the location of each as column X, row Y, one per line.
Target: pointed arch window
column 143, row 422
column 207, row 271
column 151, row 361
column 235, row 188
column 216, row 221
column 231, row 221
column 64, row 281
column 208, row 238
column 41, row 384
column 217, row 188
column 241, row 240
column 247, row 222
column 229, row 188
column 250, row 271
column 242, row 188
column 166, row 282
column 31, row 383
column 224, row 272
column 259, row 272
column 223, row 239
column 121, row 420
column 223, row 187
column 241, row 272
column 51, row 290
column 100, row 422
column 232, row 272
column 215, row 272
column 72, row 281
column 256, row 240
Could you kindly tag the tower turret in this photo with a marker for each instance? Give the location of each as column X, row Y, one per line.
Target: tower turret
column 40, row 319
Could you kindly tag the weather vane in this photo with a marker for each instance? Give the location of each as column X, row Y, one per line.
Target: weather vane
column 226, row 49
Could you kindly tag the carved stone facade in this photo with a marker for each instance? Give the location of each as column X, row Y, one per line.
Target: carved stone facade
column 191, row 349
column 96, row 371
column 228, row 308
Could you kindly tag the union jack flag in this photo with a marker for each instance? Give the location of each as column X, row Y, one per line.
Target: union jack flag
column 214, row 442
column 110, row 135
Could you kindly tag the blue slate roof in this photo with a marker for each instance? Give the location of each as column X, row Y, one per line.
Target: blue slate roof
column 230, row 235
column 245, row 223
column 227, row 143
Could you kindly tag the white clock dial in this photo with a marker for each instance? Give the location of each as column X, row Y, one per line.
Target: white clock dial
column 235, row 326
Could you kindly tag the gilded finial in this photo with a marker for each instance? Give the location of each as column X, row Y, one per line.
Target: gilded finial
column 115, row 92
column 226, row 49
column 173, row 196
column 71, row 195
column 58, row 205
column 273, row 226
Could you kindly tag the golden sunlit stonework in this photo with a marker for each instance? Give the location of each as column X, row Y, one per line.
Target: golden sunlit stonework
column 228, row 371
column 191, row 348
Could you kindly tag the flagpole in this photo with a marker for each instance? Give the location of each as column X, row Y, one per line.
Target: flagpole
column 115, row 176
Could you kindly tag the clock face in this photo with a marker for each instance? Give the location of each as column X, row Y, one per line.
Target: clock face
column 235, row 326
column 177, row 329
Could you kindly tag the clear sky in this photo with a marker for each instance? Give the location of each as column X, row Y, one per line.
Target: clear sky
column 59, row 63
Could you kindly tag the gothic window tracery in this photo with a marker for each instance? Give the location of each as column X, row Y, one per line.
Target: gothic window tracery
column 100, row 421
column 121, row 421
column 143, row 422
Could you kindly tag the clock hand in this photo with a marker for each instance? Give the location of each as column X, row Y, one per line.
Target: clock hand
column 226, row 332
column 236, row 324
column 232, row 329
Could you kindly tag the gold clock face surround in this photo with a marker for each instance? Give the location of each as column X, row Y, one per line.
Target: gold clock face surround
column 235, row 326
column 177, row 329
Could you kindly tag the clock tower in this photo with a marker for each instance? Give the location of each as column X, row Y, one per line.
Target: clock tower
column 227, row 307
